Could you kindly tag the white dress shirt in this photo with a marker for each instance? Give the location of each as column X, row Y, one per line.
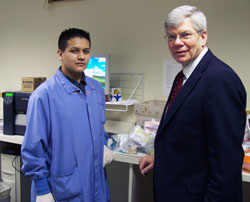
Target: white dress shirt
column 187, row 71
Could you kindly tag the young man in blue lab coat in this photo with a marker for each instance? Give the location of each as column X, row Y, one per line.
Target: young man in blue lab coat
column 64, row 148
column 198, row 146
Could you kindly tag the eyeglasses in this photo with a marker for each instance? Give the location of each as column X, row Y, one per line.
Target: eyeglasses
column 184, row 36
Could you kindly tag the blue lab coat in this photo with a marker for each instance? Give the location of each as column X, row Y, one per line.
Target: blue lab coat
column 64, row 140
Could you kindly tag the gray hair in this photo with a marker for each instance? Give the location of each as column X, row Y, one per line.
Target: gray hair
column 177, row 15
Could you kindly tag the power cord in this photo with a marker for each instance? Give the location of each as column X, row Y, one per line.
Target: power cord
column 13, row 165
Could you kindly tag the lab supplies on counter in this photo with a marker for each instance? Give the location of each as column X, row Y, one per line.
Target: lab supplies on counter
column 139, row 140
column 246, row 146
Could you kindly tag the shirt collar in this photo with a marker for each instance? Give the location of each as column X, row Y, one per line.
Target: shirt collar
column 75, row 82
column 187, row 71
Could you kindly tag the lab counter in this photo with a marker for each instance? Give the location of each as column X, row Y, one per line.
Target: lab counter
column 120, row 157
column 131, row 160
column 15, row 139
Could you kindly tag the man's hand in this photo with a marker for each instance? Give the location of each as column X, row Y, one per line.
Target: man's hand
column 146, row 163
column 45, row 198
column 108, row 156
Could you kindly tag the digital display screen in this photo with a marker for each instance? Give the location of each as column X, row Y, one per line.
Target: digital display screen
column 96, row 69
column 9, row 94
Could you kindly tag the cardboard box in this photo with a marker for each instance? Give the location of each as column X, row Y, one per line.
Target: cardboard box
column 29, row 84
column 149, row 110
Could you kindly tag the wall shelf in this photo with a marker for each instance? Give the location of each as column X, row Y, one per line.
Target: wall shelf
column 121, row 106
column 132, row 86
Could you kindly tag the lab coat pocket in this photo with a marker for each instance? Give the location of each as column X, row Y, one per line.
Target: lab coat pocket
column 67, row 187
column 197, row 187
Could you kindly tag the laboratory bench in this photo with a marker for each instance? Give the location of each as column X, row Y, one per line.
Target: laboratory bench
column 122, row 162
column 139, row 188
column 119, row 157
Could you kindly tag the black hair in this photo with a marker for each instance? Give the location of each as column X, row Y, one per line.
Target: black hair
column 67, row 34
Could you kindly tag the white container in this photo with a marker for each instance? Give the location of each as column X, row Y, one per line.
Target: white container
column 8, row 173
column 149, row 110
column 11, row 185
column 4, row 193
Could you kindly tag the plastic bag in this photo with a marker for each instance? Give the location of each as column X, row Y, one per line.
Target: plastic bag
column 246, row 146
column 119, row 142
column 138, row 140
column 151, row 127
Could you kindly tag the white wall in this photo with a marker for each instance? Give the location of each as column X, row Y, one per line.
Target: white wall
column 131, row 31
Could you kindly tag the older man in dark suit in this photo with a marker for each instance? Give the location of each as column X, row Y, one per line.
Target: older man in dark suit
column 198, row 153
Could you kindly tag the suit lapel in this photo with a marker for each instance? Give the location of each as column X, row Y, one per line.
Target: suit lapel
column 186, row 90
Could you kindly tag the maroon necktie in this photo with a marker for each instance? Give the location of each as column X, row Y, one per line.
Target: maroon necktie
column 177, row 87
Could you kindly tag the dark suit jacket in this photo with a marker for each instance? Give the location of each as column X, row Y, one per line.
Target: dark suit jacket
column 198, row 146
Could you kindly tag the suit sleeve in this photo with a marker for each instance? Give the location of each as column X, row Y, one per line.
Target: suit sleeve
column 225, row 118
